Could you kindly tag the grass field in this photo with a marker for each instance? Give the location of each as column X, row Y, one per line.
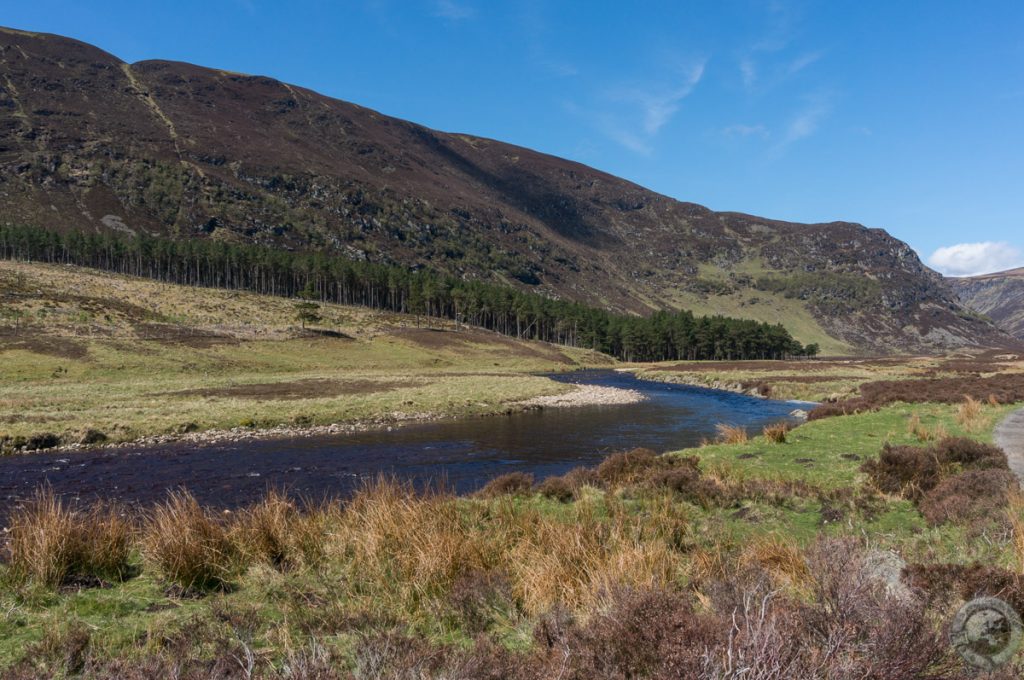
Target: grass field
column 131, row 358
column 393, row 578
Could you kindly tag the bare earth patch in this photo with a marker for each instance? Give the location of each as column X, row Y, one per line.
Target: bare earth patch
column 297, row 389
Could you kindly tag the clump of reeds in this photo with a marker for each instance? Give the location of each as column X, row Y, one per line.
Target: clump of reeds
column 969, row 414
column 731, row 434
column 51, row 544
column 776, row 432
column 275, row 532
column 188, row 545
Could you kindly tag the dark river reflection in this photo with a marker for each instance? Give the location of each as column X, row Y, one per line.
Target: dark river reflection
column 462, row 454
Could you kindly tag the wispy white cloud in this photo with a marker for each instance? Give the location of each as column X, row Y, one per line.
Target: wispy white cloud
column 802, row 62
column 742, row 130
column 970, row 259
column 805, row 122
column 638, row 113
column 452, row 10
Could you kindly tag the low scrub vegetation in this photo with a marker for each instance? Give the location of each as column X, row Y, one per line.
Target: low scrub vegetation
column 969, row 391
column 645, row 566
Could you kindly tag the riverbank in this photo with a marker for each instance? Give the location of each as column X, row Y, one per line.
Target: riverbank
column 825, row 380
column 577, row 396
column 93, row 359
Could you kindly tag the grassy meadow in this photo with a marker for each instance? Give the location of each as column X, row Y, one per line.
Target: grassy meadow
column 87, row 352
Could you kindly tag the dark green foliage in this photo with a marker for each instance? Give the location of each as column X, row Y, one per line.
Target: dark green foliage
column 321, row 277
column 307, row 312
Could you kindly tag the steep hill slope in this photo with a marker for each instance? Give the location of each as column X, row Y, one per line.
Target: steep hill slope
column 999, row 296
column 88, row 141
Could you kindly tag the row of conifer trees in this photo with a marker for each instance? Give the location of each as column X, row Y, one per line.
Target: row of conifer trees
column 332, row 278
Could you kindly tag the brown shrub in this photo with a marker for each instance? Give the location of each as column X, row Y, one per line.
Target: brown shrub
column 53, row 545
column 914, row 471
column 557, row 488
column 970, row 496
column 479, row 598
column 638, row 634
column 580, row 477
column 627, row 466
column 777, row 432
column 188, row 545
column 907, row 470
column 971, row 454
column 686, row 480
column 945, row 583
column 1004, row 388
column 510, row 484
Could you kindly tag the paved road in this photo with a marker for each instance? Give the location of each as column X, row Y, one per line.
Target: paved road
column 1009, row 436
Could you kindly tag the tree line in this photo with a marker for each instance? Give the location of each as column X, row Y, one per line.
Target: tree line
column 330, row 278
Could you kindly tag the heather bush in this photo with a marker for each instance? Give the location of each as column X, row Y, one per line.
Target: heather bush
column 557, row 488
column 510, row 484
column 907, row 470
column 627, row 467
column 971, row 496
column 1003, row 388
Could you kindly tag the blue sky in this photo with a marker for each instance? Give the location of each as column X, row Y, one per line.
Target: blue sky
column 905, row 115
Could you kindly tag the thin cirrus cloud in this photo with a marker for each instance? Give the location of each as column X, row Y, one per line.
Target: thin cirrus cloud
column 639, row 113
column 971, row 259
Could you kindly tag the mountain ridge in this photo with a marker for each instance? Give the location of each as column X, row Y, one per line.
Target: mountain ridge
column 999, row 296
column 180, row 150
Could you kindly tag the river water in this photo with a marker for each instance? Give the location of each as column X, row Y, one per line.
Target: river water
column 460, row 454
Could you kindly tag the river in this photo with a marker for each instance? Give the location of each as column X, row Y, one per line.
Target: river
column 460, row 454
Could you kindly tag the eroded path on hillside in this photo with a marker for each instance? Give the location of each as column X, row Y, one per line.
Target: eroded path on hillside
column 1009, row 436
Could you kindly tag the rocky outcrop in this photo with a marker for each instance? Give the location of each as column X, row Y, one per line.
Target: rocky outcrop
column 999, row 296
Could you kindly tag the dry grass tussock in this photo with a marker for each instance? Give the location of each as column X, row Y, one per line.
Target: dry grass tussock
column 970, row 416
column 188, row 545
column 594, row 590
column 731, row 434
column 277, row 533
column 52, row 545
column 776, row 432
column 409, row 549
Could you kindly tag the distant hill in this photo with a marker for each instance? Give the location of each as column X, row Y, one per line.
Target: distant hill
column 88, row 141
column 999, row 296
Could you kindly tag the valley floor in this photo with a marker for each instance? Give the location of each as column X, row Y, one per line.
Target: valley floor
column 838, row 549
column 92, row 358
